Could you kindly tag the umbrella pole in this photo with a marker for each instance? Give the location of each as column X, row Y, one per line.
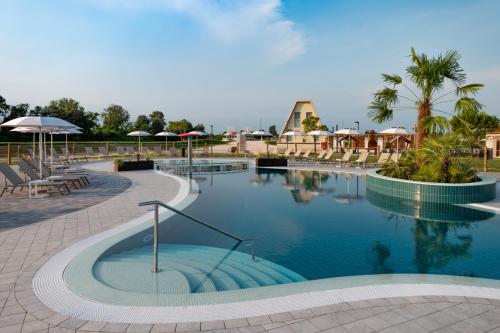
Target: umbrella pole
column 166, row 145
column 34, row 148
column 67, row 151
column 44, row 146
column 51, row 152
column 40, row 152
column 140, row 145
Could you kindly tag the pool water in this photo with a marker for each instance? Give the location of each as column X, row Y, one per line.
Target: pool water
column 307, row 225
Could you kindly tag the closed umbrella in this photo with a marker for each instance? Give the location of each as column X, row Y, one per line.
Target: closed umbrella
column 41, row 123
column 317, row 133
column 293, row 134
column 166, row 134
column 139, row 134
column 397, row 132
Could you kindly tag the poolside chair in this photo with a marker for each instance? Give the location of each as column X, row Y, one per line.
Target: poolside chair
column 362, row 158
column 396, row 157
column 345, row 159
column 157, row 150
column 66, row 152
column 321, row 154
column 103, row 152
column 58, row 159
column 25, row 168
column 383, row 158
column 46, row 173
column 18, row 182
column 90, row 152
column 130, row 150
column 296, row 154
column 173, row 152
column 306, row 154
column 326, row 158
column 120, row 151
column 287, row 152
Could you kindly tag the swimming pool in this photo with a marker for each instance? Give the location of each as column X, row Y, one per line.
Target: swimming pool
column 308, row 227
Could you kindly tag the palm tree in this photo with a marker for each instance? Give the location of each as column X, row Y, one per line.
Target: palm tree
column 429, row 76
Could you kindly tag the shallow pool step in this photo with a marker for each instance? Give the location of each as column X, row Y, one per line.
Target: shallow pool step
column 203, row 268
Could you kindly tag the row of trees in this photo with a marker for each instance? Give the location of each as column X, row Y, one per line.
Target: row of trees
column 113, row 123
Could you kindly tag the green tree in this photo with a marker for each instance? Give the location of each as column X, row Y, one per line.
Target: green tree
column 19, row 110
column 4, row 107
column 181, row 126
column 71, row 110
column 473, row 125
column 157, row 122
column 142, row 123
column 429, row 76
column 273, row 131
column 312, row 124
column 115, row 118
column 199, row 127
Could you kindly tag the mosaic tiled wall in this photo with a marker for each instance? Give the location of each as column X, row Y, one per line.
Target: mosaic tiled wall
column 484, row 190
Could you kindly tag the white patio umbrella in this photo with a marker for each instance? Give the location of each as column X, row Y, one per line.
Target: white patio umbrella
column 293, row 134
column 397, row 132
column 349, row 132
column 260, row 133
column 317, row 133
column 66, row 132
column 41, row 123
column 139, row 134
column 166, row 134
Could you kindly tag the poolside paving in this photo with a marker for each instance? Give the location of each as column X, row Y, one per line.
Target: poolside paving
column 25, row 248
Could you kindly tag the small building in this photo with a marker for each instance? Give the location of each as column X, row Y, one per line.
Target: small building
column 493, row 143
column 301, row 110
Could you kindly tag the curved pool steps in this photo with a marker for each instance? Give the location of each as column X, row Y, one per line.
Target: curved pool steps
column 190, row 269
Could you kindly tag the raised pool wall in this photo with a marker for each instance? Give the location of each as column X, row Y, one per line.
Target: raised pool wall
column 481, row 191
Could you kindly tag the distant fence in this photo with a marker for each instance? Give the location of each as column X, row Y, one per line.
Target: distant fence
column 14, row 150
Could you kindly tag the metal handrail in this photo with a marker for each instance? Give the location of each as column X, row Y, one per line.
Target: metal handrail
column 158, row 203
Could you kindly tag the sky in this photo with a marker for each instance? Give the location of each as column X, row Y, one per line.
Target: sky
column 237, row 63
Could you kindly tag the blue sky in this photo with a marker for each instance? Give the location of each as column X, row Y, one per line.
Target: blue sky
column 232, row 63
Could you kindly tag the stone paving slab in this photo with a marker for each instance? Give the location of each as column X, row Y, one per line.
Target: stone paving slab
column 24, row 249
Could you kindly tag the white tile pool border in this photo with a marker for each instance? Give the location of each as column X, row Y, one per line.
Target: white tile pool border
column 52, row 290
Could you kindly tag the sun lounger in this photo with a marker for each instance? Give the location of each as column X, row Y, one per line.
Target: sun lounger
column 326, row 158
column 395, row 157
column 45, row 172
column 345, row 159
column 103, row 151
column 90, row 152
column 58, row 159
column 287, row 152
column 121, row 151
column 306, row 154
column 321, row 154
column 383, row 158
column 157, row 150
column 130, row 150
column 297, row 153
column 18, row 182
column 362, row 159
column 173, row 152
column 27, row 169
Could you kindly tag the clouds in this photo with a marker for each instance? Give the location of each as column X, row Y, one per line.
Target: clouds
column 257, row 24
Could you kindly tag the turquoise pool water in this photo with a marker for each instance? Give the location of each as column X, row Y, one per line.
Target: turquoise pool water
column 306, row 226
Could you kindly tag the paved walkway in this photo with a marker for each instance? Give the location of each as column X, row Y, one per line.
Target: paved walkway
column 24, row 249
column 18, row 210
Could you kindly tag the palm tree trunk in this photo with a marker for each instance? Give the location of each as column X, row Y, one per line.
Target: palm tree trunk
column 424, row 110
